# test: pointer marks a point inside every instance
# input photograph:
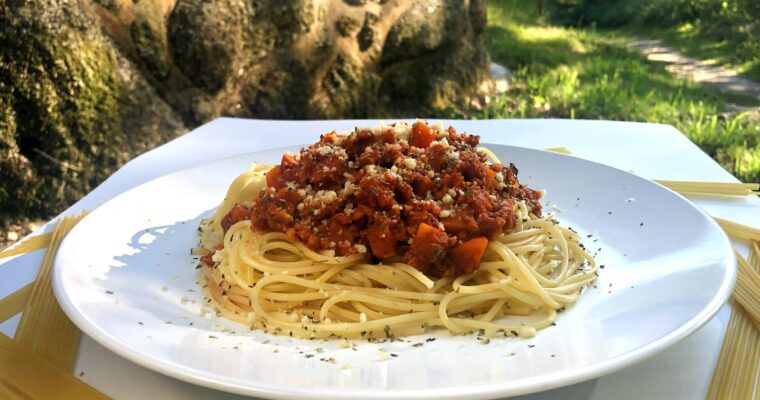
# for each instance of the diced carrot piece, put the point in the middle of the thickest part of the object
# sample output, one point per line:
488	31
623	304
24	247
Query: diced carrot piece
490	177
429	239
466	257
421	135
425	230
273	176
428	249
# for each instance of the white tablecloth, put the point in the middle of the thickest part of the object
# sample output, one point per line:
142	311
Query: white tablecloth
653	151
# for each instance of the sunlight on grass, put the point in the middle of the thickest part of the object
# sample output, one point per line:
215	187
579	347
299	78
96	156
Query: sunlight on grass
538	35
574	73
685	28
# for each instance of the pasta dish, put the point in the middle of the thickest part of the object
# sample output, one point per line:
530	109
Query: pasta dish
386	232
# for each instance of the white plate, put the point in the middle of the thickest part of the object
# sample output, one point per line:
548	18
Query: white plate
124	275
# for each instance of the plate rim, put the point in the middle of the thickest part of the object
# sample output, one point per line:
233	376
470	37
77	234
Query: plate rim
525	386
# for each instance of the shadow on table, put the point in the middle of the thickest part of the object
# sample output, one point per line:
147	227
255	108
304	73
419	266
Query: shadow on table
155	283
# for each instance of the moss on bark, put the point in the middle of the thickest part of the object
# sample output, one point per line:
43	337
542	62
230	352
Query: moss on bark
87	84
72	108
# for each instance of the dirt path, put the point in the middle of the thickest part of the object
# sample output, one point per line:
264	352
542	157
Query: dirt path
704	72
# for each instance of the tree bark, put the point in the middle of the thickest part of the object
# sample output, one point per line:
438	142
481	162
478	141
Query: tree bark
87	84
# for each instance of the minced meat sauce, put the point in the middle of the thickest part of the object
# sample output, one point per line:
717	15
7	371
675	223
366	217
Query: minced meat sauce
412	193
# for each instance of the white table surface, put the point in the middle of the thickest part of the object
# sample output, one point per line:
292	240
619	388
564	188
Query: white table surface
653	151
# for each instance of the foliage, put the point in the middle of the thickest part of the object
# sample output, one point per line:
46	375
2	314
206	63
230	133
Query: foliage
566	72
727	31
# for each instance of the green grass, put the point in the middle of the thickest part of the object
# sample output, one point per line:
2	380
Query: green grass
726	32
590	74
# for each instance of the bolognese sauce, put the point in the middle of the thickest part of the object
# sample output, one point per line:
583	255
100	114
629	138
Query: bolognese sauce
416	193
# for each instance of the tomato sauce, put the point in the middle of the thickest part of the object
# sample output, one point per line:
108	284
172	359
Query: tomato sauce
413	193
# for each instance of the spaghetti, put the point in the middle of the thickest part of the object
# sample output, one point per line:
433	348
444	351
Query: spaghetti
273	280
